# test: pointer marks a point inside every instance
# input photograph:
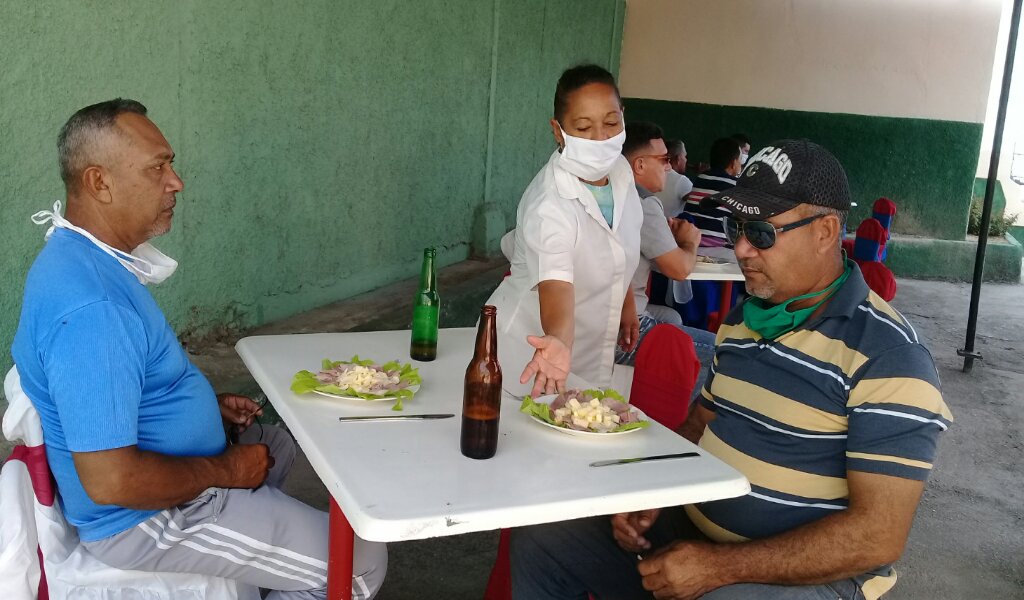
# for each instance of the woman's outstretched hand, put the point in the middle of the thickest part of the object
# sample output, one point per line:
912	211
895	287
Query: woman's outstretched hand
550	365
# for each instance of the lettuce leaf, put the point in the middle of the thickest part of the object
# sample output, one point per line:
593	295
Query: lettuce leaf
633	425
306	381
608	393
537	409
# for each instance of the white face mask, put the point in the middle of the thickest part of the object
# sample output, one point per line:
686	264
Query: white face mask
147	263
743	158
590	160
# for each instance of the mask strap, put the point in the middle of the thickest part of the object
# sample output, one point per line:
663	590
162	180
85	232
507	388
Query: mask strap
140	266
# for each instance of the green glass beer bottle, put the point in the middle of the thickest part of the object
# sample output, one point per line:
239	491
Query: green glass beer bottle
425	312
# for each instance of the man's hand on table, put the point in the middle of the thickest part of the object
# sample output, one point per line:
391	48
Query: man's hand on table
550	365
628	529
681	571
238	410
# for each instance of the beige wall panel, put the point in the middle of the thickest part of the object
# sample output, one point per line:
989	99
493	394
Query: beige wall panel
903	58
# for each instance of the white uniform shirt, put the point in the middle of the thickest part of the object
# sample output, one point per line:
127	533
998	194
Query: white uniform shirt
561	235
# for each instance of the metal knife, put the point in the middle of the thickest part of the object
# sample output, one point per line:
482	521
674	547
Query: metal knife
626	461
367	418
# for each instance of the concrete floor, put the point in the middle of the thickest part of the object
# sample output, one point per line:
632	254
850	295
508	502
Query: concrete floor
968	538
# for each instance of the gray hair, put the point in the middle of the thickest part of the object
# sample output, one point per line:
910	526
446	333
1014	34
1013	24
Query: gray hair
76	143
675	147
814	209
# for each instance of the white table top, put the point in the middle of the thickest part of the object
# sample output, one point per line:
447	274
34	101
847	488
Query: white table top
717	272
406	480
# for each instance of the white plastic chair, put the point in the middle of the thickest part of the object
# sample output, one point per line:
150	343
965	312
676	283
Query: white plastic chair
32	526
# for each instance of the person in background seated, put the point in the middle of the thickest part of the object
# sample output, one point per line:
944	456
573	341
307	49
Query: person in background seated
667	245
821	395
725	167
134	432
677	184
744	143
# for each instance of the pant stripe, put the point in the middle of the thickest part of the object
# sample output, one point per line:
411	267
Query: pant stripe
211	541
231	558
260	550
358	582
296	560
252	542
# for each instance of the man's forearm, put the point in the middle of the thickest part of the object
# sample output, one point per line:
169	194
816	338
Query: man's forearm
150	481
693	427
830	549
677	263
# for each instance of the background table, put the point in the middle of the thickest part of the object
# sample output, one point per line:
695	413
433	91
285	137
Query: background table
725	273
407	480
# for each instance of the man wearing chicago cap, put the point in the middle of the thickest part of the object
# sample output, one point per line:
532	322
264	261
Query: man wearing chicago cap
820	394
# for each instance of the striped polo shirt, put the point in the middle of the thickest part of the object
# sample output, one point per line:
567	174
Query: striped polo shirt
851	389
708	219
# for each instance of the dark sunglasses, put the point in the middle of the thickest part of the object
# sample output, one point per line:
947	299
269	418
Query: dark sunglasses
760	234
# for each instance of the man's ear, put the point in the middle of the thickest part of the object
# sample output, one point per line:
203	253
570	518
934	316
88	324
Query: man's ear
556	130
830	233
96	183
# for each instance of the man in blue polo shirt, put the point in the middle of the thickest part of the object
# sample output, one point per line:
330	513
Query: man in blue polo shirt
134	432
821	394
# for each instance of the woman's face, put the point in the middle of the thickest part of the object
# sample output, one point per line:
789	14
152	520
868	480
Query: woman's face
592	112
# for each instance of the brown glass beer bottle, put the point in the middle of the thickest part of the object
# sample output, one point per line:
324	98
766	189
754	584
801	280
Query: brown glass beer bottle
481	403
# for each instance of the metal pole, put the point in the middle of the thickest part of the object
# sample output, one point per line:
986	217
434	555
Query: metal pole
968	351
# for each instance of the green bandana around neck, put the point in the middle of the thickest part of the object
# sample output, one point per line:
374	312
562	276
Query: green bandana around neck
773	320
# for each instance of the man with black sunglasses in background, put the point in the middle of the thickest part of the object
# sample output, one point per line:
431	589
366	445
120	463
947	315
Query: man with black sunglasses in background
820	394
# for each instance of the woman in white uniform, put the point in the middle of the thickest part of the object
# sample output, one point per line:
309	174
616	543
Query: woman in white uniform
577	244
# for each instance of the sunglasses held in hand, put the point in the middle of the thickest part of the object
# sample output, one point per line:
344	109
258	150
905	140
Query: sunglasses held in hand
760	234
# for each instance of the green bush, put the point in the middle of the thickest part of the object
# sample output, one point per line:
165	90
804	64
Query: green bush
998	225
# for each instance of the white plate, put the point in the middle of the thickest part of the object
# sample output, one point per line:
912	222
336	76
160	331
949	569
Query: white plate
550	397
412	388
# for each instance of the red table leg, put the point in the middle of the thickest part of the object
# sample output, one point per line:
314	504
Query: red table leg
339	558
724	303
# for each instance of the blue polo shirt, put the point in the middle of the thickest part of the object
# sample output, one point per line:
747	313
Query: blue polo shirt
105	370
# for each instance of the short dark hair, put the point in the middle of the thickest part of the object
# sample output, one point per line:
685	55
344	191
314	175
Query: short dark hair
77	135
576	77
741	139
723	152
675	147
639	135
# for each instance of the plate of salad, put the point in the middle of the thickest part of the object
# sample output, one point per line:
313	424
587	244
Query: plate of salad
362	380
587	413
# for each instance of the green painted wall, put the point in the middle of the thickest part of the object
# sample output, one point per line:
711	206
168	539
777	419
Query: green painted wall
323	144
998	197
953	260
1017	233
926	166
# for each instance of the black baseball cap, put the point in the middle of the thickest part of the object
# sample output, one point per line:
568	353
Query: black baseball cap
782	175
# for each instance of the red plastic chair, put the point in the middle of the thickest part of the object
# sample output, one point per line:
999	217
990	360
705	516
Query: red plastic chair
666	371
879	278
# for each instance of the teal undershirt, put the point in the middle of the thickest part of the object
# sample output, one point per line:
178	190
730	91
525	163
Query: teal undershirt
605	200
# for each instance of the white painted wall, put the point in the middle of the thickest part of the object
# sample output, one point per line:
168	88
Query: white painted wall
1013	133
904	58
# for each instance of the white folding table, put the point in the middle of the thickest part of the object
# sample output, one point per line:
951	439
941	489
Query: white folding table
726	273
407	480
